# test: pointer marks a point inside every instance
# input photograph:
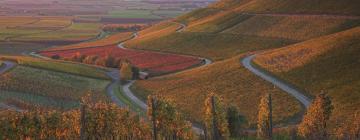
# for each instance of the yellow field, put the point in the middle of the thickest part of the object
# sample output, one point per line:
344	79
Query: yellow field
35	29
327	64
110	40
293	28
226	78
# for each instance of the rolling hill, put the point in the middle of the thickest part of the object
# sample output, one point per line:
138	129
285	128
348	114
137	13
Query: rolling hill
226	32
327	64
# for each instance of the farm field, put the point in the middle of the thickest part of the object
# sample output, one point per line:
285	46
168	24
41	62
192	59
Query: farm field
109	40
16	48
74	33
227	69
212	46
152	62
222	35
60	66
49	84
226	78
326	64
133	14
45	29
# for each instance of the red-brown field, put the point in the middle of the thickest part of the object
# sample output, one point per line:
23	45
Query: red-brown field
153	62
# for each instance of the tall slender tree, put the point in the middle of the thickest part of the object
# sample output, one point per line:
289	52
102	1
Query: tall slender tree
314	123
264	126
215	117
126	72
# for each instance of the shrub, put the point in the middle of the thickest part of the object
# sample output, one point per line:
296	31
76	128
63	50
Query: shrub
90	59
55	56
167	121
126	72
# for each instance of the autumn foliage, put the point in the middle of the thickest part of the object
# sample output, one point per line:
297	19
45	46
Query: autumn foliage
264	126
167	121
314	123
216	118
153	62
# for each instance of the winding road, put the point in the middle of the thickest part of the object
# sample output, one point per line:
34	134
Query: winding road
246	62
130	95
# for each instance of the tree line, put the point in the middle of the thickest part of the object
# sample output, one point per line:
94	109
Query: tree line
128	71
164	122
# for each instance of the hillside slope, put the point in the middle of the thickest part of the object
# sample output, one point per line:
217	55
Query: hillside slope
327	64
225	33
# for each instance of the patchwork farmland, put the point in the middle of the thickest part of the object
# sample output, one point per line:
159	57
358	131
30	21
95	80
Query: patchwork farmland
234	69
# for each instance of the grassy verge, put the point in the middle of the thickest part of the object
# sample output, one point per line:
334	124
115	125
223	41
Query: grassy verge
133	106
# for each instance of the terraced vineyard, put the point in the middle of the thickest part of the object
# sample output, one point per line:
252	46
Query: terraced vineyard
51	85
110	40
326	64
283	69
45	29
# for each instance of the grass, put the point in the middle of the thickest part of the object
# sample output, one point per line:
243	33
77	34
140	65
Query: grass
327	64
219	24
133	14
209	45
197	14
110	40
168	13
345	7
17	27
6	21
52	84
227	78
133	106
293	28
18	48
75	32
64	67
31	101
161	30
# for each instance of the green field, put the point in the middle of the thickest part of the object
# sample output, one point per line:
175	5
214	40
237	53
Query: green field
60	66
75	32
30	101
55	85
133	14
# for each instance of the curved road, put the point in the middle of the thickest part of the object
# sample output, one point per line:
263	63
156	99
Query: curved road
7	65
130	95
246	62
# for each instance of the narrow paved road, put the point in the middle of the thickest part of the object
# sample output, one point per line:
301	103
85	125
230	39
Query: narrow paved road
6	65
130	95
181	28
246	62
110	89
